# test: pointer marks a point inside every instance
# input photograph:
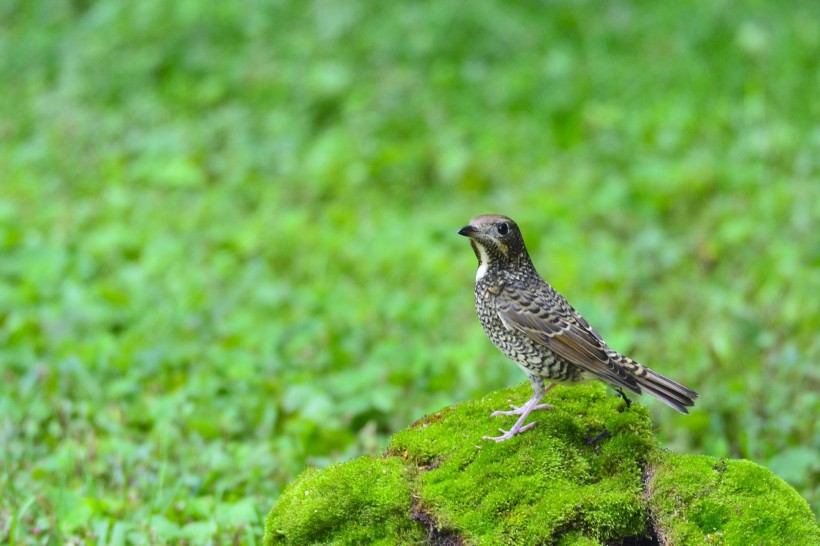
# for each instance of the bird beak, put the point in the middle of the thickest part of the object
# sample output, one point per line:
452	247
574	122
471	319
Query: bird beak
467	231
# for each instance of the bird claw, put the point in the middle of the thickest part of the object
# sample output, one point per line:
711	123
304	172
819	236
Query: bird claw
622	394
523	412
589	441
507	434
518	410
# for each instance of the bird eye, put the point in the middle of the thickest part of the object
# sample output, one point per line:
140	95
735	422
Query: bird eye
502	228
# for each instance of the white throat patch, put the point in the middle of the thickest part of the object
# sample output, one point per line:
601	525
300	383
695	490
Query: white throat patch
484	258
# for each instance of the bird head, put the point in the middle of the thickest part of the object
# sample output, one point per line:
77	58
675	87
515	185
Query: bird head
496	240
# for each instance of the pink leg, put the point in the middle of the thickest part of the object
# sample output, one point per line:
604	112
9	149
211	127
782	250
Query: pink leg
518	410
524	411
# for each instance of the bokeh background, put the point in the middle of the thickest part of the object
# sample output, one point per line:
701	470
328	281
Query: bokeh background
228	242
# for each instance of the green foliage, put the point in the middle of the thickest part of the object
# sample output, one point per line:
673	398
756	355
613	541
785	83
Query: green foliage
228	234
697	499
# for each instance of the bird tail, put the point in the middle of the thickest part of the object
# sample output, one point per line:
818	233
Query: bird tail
671	393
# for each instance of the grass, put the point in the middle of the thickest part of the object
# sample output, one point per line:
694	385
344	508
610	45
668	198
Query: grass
228	234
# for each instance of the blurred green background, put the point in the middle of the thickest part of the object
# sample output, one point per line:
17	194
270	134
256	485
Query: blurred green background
228	234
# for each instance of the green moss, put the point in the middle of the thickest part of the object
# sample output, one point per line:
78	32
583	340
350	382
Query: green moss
363	501
577	539
547	486
700	499
540	485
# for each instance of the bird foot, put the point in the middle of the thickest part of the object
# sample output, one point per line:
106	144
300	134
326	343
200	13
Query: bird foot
507	434
518	410
523	412
589	441
622	394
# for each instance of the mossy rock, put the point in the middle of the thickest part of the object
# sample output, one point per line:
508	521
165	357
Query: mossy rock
696	499
440	483
363	501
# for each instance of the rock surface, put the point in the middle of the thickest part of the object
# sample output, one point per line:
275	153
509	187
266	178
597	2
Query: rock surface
440	483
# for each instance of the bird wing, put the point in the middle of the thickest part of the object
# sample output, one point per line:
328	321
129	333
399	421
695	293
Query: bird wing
546	318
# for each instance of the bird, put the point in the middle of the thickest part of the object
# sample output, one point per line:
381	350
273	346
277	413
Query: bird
536	328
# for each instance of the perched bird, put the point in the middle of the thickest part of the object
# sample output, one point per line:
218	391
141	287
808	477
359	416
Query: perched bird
536	328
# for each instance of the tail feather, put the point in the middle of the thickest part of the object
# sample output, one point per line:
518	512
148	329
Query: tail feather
668	391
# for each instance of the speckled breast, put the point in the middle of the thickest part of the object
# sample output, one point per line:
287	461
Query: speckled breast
530	356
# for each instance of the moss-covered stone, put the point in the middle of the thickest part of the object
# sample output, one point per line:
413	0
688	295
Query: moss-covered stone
697	499
441	483
363	501
540	485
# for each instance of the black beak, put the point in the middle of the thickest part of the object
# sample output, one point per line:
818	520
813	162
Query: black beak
467	231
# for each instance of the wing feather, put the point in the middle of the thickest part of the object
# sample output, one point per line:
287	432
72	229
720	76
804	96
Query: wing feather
550	321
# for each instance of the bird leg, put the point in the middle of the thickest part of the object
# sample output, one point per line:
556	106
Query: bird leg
516	410
622	394
524	411
589	441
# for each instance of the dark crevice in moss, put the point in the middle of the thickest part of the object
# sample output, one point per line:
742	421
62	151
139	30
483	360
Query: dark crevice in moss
648	540
651	524
576	527
436	536
432	465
